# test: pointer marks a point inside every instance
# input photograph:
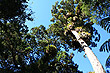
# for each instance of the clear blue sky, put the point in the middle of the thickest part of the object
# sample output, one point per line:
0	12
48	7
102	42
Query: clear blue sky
42	9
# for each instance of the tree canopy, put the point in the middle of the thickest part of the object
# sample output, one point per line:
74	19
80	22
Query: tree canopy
72	13
12	30
14	9
25	52
40	50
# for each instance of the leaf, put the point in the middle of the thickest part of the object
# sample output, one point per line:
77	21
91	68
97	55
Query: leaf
108	62
105	24
105	46
28	48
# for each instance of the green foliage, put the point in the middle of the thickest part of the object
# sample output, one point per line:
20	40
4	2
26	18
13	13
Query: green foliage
105	24
51	50
69	24
28	48
48	56
52	20
85	9
60	10
108	62
13	45
71	16
10	9
40	49
70	19
105	46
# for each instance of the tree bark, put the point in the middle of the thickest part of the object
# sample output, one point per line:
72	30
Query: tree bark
98	68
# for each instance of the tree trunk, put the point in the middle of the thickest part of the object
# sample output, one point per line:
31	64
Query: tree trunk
98	68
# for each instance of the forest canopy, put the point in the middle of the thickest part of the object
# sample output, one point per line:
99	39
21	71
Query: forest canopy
40	49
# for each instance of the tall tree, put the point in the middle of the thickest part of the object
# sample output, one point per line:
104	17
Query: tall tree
101	16
75	19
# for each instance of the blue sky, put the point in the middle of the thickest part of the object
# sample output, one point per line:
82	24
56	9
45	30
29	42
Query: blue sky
42	16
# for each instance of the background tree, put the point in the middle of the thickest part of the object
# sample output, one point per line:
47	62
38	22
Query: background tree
14	10
46	55
12	30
